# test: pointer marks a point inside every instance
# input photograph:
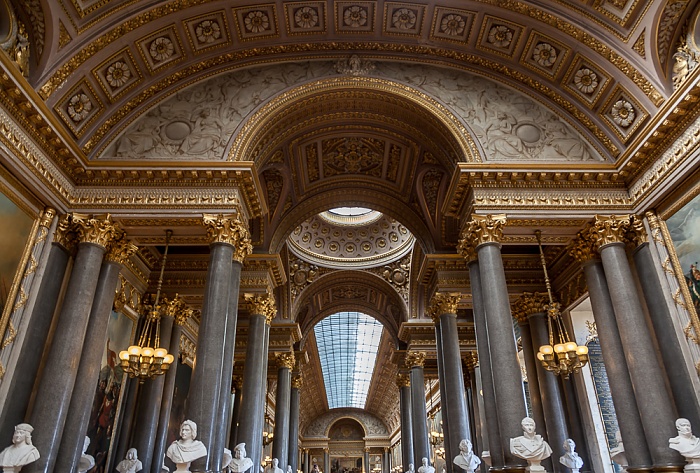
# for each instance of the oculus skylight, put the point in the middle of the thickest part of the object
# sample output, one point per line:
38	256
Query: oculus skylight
347	347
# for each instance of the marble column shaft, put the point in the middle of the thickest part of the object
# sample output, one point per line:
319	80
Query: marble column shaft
365	461
148	409
16	406
229	348
454	387
575	422
327	461
444	406
655	405
293	454
253	389
672	355
407	454
306	460
166	404
205	391
55	387
280	442
507	379
533	382
421	443
477	436
553	408
235	415
628	418
78	416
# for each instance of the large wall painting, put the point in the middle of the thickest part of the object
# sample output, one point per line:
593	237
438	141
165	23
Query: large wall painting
108	392
684	228
17	227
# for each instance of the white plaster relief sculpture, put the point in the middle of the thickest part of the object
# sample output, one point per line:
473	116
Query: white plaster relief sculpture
21	452
686	444
86	461
467	459
240	463
425	467
617	454
130	464
184	451
199	122
275	467
571	459
530	446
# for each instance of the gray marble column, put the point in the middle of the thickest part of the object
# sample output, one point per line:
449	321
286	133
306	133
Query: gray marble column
293	454
628	417
89	369
421	443
672	355
306	461
179	311
229	348
575	422
407	454
444	307
57	381
365	462
443	396
237	384
280	442
327	461
507	380
250	423
493	435
16	406
552	399
655	405
471	362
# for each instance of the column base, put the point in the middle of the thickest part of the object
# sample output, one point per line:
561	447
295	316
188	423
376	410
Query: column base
676	468
514	469
638	469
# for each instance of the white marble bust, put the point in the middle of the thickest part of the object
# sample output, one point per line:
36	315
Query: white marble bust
425	467
571	459
275	467
131	464
240	463
411	468
86	461
686	444
530	446
21	452
184	451
467	459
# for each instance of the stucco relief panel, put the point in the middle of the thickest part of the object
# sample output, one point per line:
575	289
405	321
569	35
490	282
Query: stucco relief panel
372	425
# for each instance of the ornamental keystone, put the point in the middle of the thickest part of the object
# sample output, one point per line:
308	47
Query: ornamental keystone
403	381
263	304
527	304
98	229
285	360
229	229
415	358
486	228
583	247
610	229
443	303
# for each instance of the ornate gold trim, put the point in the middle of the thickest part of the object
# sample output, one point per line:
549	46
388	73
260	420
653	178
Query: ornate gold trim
415	358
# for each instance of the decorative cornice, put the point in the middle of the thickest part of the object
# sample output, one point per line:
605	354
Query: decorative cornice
415	358
263	304
527	304
229	229
403	381
486	228
443	303
610	229
583	248
285	360
120	249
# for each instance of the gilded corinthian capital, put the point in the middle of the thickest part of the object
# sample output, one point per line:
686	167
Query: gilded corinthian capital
120	250
611	229
584	247
65	234
403	381
99	229
527	304
263	304
486	228
285	360
415	358
297	382
443	303
466	246
230	229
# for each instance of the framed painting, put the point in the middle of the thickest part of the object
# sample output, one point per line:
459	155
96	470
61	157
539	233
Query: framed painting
684	229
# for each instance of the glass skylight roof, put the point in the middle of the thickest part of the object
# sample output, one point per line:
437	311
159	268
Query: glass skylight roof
350	211
347	346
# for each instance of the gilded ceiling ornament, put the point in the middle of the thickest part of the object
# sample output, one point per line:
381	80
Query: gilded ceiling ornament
443	303
262	304
586	80
544	54
355	16
99	229
285	360
208	31
161	49
354	66
527	304
583	248
120	250
452	24
297	382
118	74
229	229
500	36
306	17
19	52
415	358
611	229
79	107
404	19
685	59
403	381
487	228
256	21
623	113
